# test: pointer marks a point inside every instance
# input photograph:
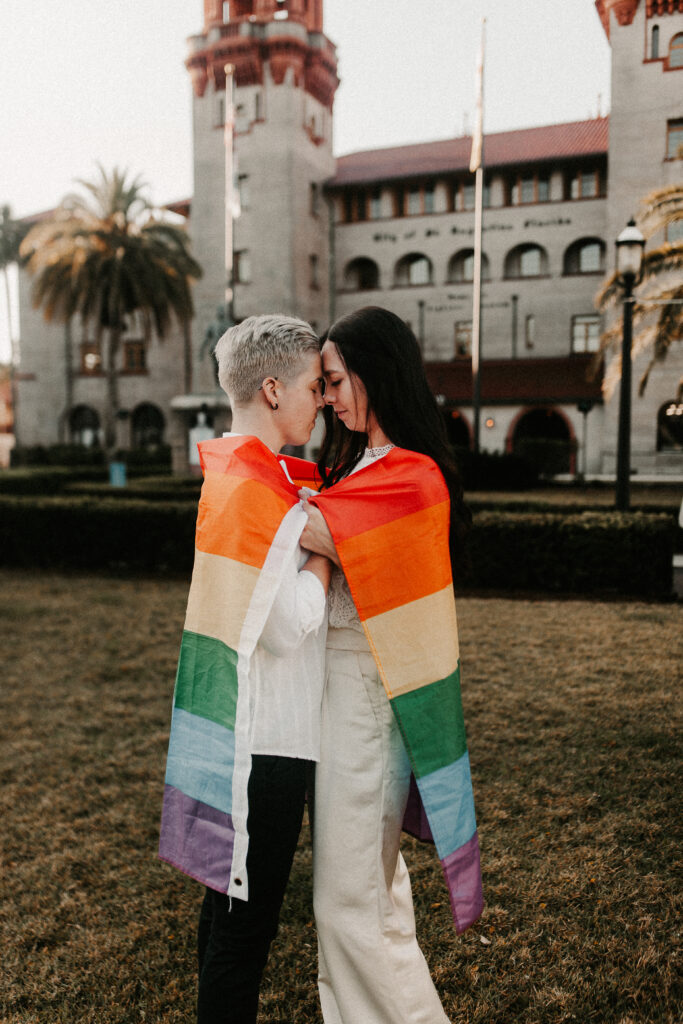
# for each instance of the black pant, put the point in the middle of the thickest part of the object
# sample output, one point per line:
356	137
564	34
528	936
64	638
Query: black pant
233	942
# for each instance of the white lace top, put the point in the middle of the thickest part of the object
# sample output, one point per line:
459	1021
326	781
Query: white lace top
342	610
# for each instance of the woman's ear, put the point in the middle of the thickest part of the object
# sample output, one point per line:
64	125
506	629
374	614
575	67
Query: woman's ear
269	389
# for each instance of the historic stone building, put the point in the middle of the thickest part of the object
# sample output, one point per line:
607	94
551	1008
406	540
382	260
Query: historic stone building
316	237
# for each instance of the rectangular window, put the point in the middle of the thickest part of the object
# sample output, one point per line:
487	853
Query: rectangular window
376	204
91	358
258	107
134	357
590	258
530	263
586	333
674	140
528	187
414	201
589	185
314	199
220	111
360	205
243	191
348	207
530	331
314	268
463	339
429	199
468	197
399	200
242	267
543	194
226	11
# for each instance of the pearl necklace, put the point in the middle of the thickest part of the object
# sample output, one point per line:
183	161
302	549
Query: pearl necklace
377	453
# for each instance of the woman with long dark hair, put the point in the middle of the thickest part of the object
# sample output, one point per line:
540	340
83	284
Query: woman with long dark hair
391	518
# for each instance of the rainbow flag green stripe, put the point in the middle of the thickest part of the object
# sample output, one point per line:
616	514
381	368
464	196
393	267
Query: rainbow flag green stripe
421	715
206	683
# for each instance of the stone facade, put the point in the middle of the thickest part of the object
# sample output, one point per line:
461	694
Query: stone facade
317	237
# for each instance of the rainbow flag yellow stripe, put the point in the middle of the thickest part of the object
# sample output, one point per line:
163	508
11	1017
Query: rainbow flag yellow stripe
390	522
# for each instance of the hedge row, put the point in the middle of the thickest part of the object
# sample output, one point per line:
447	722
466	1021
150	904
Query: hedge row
607	552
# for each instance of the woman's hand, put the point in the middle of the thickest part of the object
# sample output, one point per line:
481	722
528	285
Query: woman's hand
316	535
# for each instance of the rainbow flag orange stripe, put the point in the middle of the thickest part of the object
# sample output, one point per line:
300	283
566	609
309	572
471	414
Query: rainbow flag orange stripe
236	573
389	522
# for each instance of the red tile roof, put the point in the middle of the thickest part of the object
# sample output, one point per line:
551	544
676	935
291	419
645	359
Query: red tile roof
526	145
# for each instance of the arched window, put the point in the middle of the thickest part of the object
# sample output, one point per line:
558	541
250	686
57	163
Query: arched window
543	437
654	44
527	260
147	423
676	51
585	256
670	427
461	267
84	426
361	274
412	270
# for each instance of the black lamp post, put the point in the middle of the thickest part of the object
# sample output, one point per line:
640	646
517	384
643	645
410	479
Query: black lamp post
630	245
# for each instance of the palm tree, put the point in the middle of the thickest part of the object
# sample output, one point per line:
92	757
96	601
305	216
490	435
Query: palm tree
658	310
11	234
106	257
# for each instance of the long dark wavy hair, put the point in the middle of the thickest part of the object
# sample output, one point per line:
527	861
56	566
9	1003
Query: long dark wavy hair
379	348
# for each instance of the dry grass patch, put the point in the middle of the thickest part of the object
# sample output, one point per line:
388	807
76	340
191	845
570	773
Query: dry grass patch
572	720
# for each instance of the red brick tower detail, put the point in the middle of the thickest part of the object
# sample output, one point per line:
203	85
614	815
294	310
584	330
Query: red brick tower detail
313	62
624	11
213	13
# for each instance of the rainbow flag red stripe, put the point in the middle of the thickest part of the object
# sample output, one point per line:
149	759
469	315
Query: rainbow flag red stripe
390	524
239	557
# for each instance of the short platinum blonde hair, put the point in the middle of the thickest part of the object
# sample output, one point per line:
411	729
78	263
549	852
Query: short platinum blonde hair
260	347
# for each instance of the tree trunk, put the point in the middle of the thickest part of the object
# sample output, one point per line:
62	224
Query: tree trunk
112	408
14	359
68	380
187	356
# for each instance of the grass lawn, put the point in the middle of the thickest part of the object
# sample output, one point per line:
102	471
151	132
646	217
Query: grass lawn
572	713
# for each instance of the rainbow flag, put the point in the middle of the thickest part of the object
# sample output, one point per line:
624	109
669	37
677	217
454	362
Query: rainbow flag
248	526
390	524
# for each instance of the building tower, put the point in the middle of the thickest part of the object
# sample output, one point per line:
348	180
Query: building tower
284	83
645	152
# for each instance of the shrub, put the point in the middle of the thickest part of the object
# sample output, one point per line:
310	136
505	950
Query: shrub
56	455
82	533
46	480
627	554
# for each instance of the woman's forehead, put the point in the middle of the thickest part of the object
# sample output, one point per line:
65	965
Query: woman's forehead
331	359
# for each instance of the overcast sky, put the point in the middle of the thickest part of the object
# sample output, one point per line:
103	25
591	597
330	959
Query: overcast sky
83	81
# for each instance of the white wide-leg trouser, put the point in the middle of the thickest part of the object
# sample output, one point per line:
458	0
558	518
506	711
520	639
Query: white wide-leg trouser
371	969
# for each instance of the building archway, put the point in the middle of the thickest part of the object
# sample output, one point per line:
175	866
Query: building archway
84	426
147	426
458	429
670	427
361	274
413	270
546	438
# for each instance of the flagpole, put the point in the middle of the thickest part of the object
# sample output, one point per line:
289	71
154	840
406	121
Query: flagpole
477	167
229	131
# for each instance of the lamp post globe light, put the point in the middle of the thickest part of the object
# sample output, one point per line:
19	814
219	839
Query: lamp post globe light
630	245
